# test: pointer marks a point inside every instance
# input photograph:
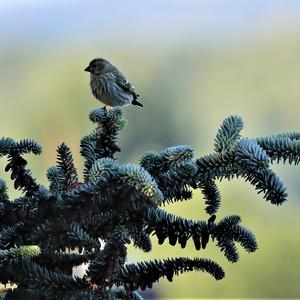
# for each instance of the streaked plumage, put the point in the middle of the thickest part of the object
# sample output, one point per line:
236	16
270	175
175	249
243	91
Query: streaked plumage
109	85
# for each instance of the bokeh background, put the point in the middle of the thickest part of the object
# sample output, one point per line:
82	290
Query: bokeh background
194	63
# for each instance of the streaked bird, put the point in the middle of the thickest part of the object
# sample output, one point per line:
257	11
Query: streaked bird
109	85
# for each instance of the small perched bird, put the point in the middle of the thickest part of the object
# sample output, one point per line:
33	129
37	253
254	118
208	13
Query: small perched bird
109	85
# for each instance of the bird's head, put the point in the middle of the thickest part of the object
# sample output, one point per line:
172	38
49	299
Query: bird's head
98	66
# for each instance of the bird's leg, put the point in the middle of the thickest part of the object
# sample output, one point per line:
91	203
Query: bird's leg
104	107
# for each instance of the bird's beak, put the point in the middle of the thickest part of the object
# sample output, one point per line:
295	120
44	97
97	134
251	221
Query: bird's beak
87	69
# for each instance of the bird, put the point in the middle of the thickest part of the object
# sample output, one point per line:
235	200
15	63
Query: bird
109	85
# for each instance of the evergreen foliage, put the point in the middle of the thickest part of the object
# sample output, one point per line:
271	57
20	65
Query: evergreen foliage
119	203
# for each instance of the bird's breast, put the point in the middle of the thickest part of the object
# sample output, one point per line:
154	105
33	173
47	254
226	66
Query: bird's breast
106	90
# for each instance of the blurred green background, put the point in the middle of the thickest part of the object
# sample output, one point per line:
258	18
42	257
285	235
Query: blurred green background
194	63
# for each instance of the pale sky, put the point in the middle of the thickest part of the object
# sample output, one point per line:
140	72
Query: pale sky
17	4
48	20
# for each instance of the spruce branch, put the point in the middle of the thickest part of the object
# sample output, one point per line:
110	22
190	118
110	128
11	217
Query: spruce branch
119	203
228	134
283	147
66	168
104	269
34	276
144	274
178	229
211	195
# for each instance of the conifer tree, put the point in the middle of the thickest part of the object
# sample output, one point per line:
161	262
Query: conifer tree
118	204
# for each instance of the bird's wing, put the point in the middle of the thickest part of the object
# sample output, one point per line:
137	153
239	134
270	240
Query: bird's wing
126	85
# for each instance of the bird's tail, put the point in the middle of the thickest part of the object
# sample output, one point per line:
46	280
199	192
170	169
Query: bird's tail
136	102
